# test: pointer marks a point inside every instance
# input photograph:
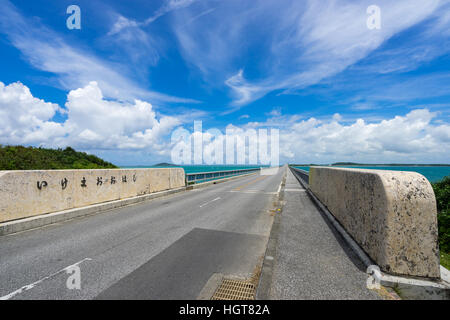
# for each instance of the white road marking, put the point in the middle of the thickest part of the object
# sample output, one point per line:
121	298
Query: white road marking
32	285
218	198
252	192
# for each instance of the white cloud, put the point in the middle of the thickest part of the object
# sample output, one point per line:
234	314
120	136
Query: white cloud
126	36
337	117
95	123
25	119
171	5
99	123
121	24
92	121
299	43
74	66
410	138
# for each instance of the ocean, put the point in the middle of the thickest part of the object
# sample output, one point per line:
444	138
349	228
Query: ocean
433	174
199	168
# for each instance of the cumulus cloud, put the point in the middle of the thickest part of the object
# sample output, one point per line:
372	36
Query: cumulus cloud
96	123
93	122
409	138
25	119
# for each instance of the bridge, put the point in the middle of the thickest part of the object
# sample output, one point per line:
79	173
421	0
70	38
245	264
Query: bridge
187	240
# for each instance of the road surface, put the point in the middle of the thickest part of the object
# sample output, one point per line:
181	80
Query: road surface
166	248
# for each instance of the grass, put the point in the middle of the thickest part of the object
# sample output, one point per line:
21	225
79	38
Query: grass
445	260
442	193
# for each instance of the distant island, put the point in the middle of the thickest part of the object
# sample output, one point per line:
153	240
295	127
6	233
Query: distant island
31	158
165	164
389	164
337	164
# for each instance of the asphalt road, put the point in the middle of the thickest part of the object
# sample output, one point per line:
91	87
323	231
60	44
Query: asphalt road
166	248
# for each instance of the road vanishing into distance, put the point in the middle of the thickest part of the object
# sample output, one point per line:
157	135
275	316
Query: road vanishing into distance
166	248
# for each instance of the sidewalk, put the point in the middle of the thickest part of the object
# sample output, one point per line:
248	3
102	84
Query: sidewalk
312	261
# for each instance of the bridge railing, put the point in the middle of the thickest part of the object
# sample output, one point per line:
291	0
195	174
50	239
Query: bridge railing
197	177
302	174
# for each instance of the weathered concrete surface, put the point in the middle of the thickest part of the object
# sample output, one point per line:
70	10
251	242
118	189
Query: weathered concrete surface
29	193
391	214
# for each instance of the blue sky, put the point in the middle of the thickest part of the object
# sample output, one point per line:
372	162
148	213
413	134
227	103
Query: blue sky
137	70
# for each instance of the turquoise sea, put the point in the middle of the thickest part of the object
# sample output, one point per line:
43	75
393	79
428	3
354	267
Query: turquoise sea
194	169
202	168
433	174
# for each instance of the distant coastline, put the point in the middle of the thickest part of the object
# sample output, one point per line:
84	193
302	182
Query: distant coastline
433	172
337	164
391	164
165	164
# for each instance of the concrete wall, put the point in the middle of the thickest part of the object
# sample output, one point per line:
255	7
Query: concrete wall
29	193
391	214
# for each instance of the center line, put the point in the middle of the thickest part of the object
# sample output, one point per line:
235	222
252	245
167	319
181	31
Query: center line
218	198
249	183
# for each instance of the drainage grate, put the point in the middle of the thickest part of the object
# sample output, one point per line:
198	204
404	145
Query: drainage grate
235	290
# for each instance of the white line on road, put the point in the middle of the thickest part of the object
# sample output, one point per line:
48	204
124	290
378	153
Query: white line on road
279	188
218	198
32	285
252	192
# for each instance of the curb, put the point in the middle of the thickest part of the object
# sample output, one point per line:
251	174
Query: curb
265	280
15	226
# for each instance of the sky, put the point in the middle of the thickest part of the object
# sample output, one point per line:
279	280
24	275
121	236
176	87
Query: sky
136	71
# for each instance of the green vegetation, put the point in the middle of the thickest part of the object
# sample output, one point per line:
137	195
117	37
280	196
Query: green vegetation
165	164
345	164
442	192
445	260
30	158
